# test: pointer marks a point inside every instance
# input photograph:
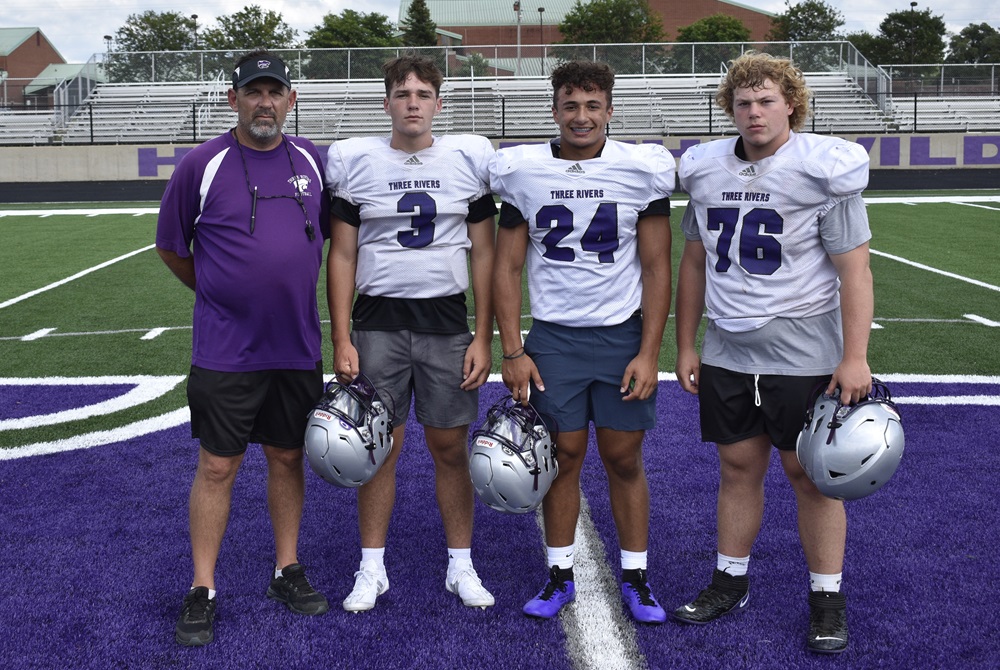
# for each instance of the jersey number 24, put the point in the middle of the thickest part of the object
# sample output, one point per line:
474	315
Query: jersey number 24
601	236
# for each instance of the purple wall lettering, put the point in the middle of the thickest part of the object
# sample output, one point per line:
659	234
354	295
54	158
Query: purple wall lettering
975	149
150	161
920	153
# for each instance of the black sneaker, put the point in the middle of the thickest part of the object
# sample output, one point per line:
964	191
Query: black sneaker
293	589
725	594
827	622
194	627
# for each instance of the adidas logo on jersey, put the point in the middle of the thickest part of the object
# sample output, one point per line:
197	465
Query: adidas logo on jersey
413	160
749	171
575	168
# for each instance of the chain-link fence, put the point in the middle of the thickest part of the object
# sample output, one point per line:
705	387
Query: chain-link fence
498	91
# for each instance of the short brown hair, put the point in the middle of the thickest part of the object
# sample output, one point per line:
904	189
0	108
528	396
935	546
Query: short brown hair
751	69
587	75
398	69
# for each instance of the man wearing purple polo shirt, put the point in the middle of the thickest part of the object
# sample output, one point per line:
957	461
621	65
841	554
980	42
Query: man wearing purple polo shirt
243	222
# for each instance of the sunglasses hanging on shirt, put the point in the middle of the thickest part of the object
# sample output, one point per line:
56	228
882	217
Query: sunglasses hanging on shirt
252	190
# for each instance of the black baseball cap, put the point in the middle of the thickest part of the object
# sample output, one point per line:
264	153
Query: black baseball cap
262	66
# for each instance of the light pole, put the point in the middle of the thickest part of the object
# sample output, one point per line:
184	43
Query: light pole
194	17
541	37
913	31
517	15
107	55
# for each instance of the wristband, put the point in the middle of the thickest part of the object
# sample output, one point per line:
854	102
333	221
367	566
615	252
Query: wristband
517	354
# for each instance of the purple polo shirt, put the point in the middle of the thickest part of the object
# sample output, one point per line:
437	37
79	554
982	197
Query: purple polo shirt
255	292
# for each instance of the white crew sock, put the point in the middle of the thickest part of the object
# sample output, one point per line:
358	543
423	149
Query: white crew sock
732	565
560	556
818	582
633	560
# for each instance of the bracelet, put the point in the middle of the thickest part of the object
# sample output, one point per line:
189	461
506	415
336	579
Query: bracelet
517	354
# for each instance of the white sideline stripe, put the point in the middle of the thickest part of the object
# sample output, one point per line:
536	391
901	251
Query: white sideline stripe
154	333
89	213
598	636
969	204
147	387
178	417
37	335
921	266
983	320
980	400
82	273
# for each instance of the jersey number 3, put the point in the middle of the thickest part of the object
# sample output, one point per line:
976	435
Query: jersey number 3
760	251
601	236
422	222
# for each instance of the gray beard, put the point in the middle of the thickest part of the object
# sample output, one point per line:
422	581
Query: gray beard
262	132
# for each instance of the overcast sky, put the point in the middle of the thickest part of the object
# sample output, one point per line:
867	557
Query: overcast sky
76	27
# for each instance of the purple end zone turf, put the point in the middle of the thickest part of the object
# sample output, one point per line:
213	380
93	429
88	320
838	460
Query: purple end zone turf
96	559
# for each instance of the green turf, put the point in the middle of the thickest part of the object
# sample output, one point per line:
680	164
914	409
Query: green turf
100	318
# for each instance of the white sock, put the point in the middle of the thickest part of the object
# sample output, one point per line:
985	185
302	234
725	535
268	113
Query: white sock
818	582
277	572
211	593
735	566
633	560
560	556
459	558
374	554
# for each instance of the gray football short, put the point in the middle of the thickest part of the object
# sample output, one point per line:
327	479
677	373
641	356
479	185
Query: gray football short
426	368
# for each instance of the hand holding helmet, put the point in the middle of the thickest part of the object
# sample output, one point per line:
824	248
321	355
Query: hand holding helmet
513	459
851	451
349	433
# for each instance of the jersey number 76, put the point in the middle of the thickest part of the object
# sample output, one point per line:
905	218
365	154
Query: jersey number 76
760	251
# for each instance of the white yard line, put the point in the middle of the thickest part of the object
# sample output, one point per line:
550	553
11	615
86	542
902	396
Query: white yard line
928	268
82	273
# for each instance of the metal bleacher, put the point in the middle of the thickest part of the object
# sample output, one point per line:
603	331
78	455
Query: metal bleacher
327	110
946	113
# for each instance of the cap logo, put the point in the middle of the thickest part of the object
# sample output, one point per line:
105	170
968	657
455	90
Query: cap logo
263	64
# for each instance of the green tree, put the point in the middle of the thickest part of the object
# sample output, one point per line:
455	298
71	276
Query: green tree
806	21
912	37
709	58
976	43
611	22
418	29
873	47
153	32
249	28
475	64
715	28
360	32
617	24
809	21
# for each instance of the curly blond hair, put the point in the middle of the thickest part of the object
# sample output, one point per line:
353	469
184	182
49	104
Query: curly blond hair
751	69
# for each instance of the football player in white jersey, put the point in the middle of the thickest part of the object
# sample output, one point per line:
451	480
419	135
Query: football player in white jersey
777	250
410	211
590	218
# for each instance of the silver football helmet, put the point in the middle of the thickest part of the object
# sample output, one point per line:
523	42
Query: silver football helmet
513	459
851	451
349	433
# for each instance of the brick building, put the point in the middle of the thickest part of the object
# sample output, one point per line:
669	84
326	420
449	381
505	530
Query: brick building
489	22
24	54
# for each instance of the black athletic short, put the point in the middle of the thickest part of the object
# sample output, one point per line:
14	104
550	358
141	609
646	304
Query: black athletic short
231	409
735	406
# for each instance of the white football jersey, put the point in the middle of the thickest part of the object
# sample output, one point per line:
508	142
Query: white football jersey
762	224
413	240
583	263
